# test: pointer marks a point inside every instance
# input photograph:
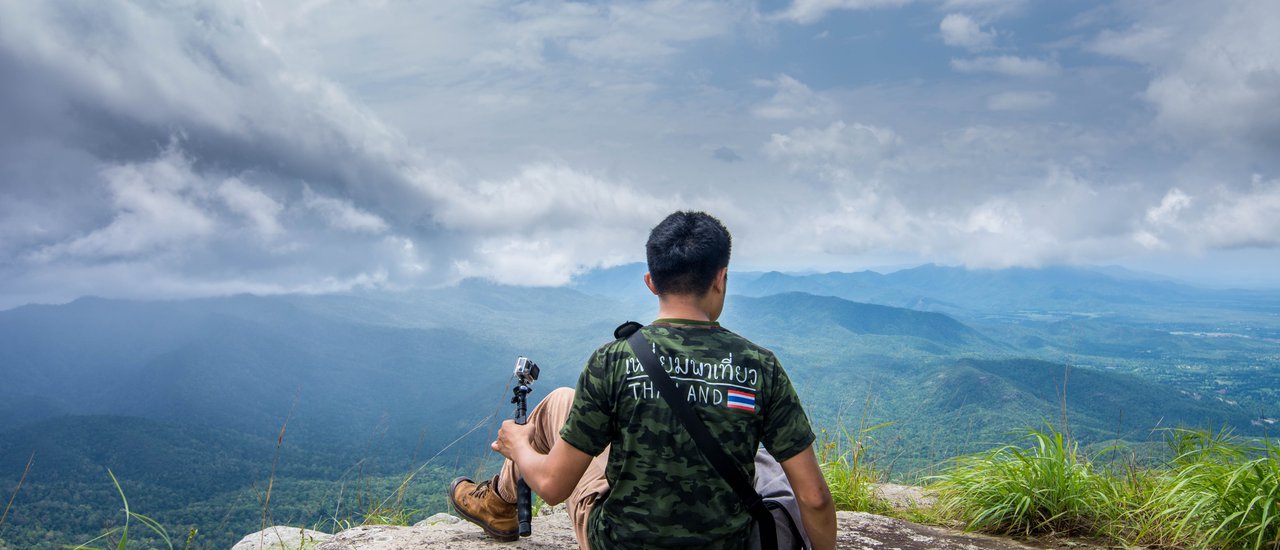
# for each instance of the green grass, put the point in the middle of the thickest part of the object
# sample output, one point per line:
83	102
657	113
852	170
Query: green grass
1215	492
1046	487
849	474
1220	493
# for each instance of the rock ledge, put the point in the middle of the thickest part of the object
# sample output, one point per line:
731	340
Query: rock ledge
553	530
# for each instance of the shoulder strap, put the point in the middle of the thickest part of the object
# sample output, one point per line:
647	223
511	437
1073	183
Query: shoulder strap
720	461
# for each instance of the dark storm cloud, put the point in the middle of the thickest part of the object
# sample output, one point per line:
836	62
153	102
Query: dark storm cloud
172	142
171	149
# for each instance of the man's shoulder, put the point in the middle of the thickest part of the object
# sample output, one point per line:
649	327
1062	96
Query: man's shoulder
606	358
746	342
689	338
612	347
707	338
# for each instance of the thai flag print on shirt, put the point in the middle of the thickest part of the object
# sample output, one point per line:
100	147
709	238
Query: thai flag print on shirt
742	400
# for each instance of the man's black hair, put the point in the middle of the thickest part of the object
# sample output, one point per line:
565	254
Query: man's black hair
685	251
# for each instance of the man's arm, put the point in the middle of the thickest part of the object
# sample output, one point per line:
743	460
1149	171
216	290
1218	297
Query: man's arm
817	509
553	475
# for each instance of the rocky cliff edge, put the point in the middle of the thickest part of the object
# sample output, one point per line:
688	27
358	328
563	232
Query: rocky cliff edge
553	530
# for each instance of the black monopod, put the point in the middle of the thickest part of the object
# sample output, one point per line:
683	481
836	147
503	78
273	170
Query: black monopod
526	372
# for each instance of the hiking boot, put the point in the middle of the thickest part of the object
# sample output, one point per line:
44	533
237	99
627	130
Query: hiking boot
480	504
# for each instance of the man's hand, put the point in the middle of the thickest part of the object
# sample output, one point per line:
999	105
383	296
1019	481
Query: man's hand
553	475
512	436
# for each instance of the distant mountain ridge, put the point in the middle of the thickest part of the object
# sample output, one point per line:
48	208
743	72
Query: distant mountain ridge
966	292
799	309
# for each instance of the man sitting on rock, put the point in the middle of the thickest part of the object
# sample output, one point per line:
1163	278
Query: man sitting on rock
648	485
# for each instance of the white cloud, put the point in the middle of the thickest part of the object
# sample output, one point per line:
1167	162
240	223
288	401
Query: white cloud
1216	69
259	208
997	215
1139	43
856	223
1215	218
1056	218
1245	219
1021	101
1162	218
544	192
838	152
791	100
1053	217
983	196
341	214
1010	65
1166	213
534	224
155	210
811	11
962	31
996	235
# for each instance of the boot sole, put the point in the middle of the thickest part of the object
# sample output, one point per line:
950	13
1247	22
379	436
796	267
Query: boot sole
501	536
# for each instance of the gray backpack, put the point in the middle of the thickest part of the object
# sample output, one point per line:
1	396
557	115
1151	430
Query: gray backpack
780	500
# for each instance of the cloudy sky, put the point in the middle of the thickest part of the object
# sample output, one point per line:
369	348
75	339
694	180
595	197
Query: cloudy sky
189	148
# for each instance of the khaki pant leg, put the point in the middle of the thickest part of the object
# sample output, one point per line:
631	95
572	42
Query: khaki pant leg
591	488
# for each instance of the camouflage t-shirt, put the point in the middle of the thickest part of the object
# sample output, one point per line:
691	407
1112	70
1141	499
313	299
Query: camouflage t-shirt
663	493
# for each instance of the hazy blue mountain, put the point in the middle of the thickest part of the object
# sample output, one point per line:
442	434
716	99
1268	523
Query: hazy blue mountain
1015	291
1010	293
800	311
1060	288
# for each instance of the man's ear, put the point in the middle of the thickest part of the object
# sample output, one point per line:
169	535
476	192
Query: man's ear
720	284
648	281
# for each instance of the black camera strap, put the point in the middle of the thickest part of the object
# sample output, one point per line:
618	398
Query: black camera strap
728	469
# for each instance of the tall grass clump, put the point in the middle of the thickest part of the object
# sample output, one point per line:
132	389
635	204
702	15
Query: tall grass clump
849	474
1219	493
1046	487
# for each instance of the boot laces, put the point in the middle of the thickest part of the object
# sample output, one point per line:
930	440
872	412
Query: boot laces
481	489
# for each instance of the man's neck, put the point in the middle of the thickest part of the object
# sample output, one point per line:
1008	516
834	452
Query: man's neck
682	307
